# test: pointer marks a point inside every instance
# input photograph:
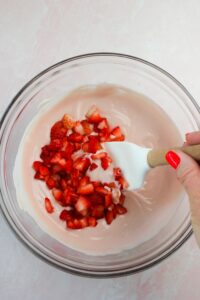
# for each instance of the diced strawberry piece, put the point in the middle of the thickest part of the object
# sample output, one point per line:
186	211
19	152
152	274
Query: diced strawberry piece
121	209
36	165
56	145
123	182
85	147
84	222
111	185
97	211
121	199
96	183
92	222
87	127
81	164
99	155
58	195
57	159
63	183
38	176
44	171
67	122
86	189
108	200
66	215
70	224
93	115
67	152
68	166
105	162
75	138
116	132
56	169
104	135
58	131
102	190
93	166
49	207
103	124
96	198
75	177
51	183
78	128
84	181
117	172
67	196
82	205
93	144
109	216
77	146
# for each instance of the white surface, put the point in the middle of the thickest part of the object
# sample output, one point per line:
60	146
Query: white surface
36	34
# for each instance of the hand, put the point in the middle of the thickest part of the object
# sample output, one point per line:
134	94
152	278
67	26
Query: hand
188	173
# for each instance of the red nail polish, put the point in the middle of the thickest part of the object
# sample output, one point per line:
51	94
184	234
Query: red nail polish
173	159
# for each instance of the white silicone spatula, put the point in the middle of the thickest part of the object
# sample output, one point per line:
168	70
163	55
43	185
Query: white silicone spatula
135	161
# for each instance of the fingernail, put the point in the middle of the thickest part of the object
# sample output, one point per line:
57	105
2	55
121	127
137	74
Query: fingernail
173	159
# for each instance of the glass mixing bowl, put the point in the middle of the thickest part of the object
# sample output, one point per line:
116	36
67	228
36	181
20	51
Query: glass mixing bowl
56	81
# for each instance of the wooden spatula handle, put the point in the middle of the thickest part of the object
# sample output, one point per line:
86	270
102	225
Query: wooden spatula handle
157	157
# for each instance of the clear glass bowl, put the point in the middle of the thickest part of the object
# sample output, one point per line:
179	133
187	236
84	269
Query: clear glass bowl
56	81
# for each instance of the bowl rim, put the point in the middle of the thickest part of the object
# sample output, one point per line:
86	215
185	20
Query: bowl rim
33	248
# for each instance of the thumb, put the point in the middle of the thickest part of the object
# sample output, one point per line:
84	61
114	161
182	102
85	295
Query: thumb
188	173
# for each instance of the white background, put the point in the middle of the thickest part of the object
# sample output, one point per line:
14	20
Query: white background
37	33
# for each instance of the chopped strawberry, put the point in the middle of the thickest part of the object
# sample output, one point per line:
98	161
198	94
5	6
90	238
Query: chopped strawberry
68	166
109	216
51	183
78	128
123	182
121	199
81	164
36	165
93	115
102	190
97	211
63	183
56	145
75	177
116	132
82	205
58	195
117	172
85	147
108	200
105	162
70	224
69	149
44	171
93	166
67	122
84	222
49	207
38	176
93	144
67	196
57	159
77	146
92	222
58	131
55	169
103	124
121	209
96	198
75	138
66	215
99	155
86	189
87	127
84	181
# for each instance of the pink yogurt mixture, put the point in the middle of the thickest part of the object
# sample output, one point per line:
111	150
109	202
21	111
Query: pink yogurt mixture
149	209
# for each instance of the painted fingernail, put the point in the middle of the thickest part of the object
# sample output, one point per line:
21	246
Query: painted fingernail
173	159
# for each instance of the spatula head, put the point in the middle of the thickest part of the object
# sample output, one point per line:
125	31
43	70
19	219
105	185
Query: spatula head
132	159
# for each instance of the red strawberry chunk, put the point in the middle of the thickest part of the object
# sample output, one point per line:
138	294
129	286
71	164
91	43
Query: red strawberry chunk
108	200
84	181
87	127
104	135
82	205
58	195
109	216
49	207
121	209
93	166
67	122
102	190
66	215
93	115
97	211
36	165
58	131
92	222
117	172
103	124
68	166
93	144
78	128
123	182
86	189
81	164
99	155
51	183
105	162
57	159
44	171
75	138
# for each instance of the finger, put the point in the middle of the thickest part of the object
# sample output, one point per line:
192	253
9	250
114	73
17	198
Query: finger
188	173
193	138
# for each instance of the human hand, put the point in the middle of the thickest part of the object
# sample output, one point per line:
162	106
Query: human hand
188	173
